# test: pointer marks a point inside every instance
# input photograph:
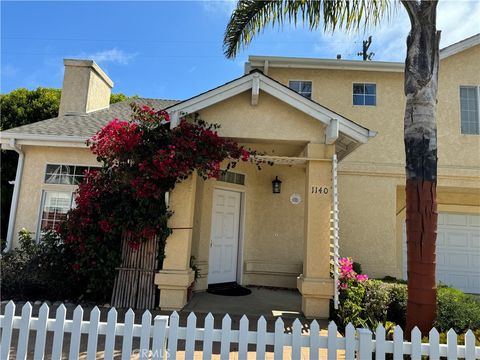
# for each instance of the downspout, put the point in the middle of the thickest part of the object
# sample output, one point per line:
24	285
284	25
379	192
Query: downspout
16	192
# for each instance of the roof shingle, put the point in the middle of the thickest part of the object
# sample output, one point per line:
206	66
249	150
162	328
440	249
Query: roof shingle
85	126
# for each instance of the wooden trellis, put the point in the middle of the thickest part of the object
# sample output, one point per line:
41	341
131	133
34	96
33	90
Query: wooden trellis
134	287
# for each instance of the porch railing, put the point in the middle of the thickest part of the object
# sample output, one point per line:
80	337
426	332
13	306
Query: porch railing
160	340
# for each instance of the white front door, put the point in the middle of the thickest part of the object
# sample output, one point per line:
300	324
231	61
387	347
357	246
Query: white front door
222	261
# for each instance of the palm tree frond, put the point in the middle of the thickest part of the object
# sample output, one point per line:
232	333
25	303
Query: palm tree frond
250	17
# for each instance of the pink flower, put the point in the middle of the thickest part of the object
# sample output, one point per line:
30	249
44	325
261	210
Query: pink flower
362	277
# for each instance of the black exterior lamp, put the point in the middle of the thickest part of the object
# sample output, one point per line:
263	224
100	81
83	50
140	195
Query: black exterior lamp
276	185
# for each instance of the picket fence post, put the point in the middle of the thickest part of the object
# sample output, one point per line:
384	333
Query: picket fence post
160	339
364	344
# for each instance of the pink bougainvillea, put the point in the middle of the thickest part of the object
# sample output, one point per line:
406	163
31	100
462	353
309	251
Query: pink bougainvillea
347	276
142	159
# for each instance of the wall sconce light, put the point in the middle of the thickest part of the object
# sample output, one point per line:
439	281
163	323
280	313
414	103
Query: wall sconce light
276	185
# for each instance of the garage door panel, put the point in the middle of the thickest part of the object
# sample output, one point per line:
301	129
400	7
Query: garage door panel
456	239
440	239
457	280
458	261
474	282
458	251
456	219
474	220
475	241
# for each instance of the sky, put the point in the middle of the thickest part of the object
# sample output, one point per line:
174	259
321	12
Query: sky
173	49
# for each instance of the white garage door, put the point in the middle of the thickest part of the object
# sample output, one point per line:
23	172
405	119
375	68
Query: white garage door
458	251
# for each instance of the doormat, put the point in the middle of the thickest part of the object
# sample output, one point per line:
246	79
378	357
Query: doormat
229	290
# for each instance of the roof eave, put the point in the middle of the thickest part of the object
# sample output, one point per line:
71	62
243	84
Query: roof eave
42	140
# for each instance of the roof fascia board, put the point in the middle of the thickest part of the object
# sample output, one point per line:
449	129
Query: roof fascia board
213	96
44	140
315	110
460	46
299	103
306	63
281	92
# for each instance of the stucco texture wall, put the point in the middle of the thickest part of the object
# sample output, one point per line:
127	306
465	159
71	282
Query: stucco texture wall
271	119
271	242
36	160
370	177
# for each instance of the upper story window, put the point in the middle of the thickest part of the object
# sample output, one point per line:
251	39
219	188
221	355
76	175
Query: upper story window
65	174
304	88
470	121
365	94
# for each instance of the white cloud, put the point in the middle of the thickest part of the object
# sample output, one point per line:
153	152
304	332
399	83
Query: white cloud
223	7
114	56
456	19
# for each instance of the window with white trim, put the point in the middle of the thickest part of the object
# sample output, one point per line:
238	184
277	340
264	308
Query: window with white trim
55	205
65	174
365	94
469	116
304	88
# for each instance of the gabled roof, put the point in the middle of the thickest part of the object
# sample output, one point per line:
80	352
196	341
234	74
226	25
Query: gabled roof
74	130
77	128
344	132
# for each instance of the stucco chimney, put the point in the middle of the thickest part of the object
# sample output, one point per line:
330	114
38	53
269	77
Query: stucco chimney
86	87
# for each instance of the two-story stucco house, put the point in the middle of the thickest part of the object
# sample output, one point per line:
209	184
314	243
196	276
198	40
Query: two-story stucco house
305	115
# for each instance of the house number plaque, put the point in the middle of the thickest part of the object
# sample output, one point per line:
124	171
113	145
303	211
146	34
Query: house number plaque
321	190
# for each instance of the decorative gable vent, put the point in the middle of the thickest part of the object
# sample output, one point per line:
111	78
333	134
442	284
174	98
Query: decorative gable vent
232	177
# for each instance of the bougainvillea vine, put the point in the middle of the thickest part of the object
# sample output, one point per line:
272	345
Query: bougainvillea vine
141	159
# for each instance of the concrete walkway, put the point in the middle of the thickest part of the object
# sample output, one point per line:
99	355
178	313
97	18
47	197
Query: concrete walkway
261	302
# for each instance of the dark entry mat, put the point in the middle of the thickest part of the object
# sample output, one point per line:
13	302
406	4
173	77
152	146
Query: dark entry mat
231	289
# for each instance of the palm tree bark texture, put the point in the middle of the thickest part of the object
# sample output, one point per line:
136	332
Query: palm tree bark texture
420	136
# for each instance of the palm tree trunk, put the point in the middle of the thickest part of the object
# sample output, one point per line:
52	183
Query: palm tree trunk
420	136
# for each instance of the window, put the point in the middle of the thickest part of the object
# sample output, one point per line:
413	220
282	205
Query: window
232	177
365	94
65	174
55	205
304	88
470	122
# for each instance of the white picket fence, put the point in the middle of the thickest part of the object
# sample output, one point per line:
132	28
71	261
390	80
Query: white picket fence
160	340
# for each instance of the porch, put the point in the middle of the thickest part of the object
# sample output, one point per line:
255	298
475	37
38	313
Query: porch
266	302
239	230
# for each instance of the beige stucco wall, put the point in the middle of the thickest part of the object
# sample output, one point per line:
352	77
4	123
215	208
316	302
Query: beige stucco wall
370	176
32	185
271	244
370	179
271	119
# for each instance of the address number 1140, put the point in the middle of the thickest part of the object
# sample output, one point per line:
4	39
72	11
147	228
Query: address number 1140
319	190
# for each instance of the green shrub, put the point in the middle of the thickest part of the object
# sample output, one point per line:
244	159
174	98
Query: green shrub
350	307
357	267
37	271
397	306
375	303
456	310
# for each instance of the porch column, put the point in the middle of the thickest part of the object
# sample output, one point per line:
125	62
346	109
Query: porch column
176	275
315	283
